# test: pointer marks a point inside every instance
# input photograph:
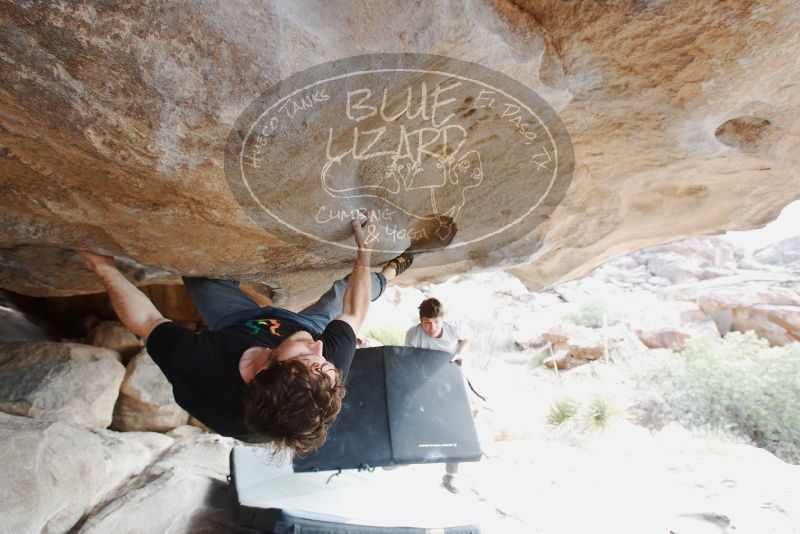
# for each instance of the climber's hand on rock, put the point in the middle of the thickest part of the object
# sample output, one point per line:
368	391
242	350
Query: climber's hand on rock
359	233
360	229
94	260
133	308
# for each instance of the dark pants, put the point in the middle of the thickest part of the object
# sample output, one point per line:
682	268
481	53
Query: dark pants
221	303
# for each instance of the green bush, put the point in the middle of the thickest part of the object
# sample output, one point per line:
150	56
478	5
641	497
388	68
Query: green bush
590	314
584	413
738	384
599	411
387	335
562	410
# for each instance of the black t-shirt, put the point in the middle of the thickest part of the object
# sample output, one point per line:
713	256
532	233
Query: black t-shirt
204	368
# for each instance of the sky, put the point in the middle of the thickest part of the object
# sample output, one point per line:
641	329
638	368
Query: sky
785	226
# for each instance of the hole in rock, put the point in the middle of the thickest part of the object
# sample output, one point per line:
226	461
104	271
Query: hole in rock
747	133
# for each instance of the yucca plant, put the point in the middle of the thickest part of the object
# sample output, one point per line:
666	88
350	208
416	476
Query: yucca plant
562	410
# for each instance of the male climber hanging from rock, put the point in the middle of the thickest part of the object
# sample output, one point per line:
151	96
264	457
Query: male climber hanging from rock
260	374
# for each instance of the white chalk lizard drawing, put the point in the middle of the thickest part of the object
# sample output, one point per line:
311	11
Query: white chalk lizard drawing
402	183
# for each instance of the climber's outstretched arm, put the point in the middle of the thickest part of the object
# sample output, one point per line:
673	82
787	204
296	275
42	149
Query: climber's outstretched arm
133	308
359	288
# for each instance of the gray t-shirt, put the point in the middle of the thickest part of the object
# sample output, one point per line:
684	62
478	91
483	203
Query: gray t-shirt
452	333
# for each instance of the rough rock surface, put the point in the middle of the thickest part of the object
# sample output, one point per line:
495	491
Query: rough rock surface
184	431
197	423
60	382
730	287
658	98
766	302
780	325
115	336
694	95
690	260
145	399
53	472
672	329
17	326
574	345
682	262
785	253
185	491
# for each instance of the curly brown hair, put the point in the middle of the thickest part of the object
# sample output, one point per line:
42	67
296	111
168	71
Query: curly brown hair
292	406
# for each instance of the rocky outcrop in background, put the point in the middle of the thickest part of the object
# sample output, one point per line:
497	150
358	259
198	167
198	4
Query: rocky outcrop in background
783	254
733	289
658	297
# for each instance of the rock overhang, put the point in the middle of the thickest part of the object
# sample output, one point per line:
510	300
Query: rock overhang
115	121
